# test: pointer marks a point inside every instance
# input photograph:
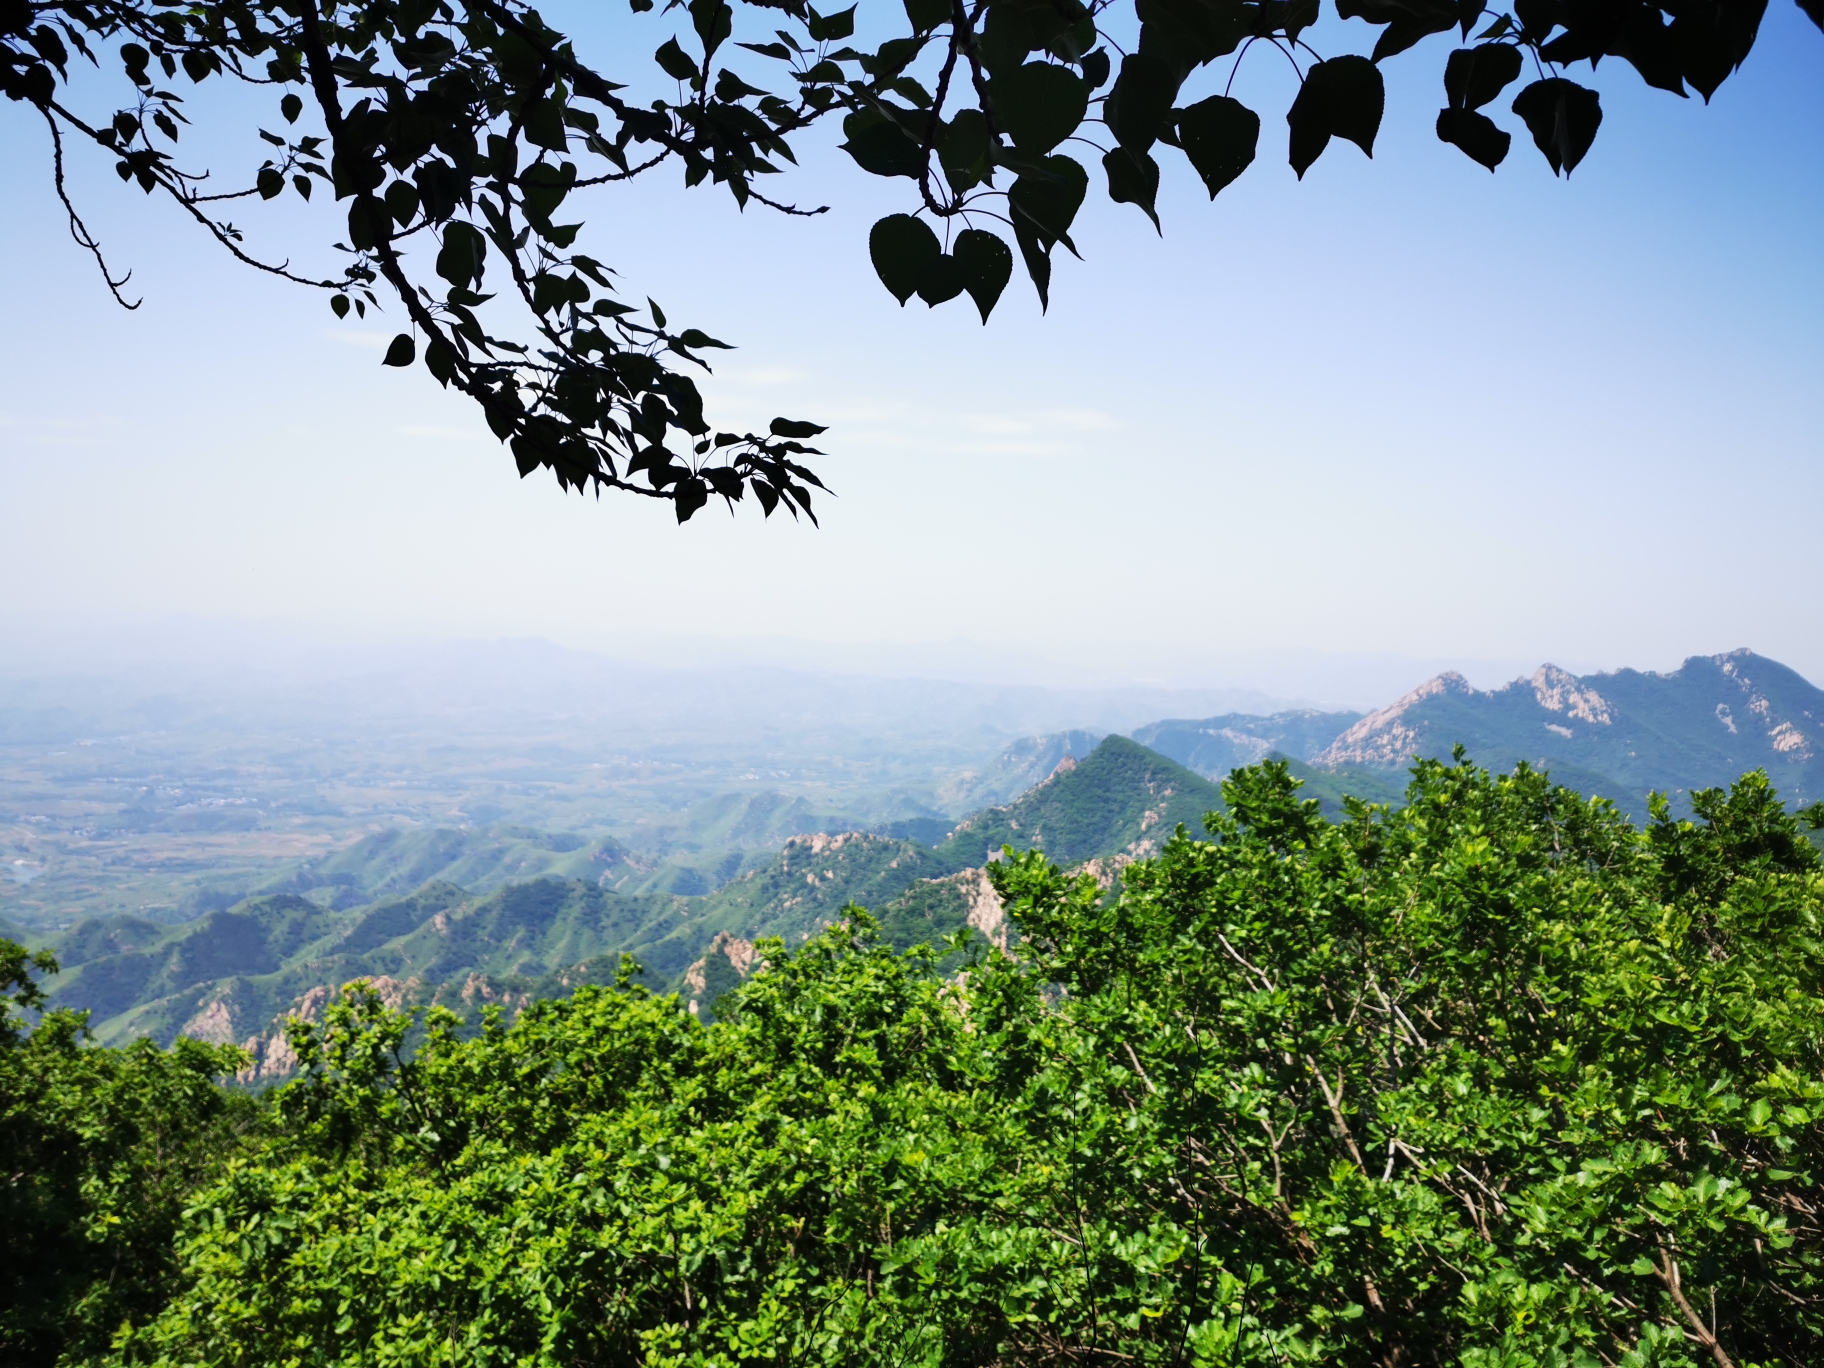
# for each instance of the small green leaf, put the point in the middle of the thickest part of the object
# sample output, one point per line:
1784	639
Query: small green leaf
401	352
291	106
270	182
338	305
903	249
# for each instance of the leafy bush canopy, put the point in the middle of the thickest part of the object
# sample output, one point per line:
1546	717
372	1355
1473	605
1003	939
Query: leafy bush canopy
463	133
1489	1079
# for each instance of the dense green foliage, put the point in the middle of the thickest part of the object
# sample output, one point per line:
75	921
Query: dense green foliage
101	1152
460	133
1493	1078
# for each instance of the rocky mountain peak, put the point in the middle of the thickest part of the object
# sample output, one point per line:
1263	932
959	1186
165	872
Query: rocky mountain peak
1560	691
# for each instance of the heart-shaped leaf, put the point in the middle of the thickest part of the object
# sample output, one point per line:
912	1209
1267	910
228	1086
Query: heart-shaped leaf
1563	118
1133	178
986	264
903	249
1039	105
1220	136
1141	101
943	281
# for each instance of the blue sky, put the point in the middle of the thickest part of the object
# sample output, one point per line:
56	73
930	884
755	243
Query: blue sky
1402	409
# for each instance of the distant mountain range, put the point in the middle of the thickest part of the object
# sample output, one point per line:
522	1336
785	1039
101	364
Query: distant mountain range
1619	735
468	917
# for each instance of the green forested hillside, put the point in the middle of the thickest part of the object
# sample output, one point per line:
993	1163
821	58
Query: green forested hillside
1213	746
233	976
1115	799
401	860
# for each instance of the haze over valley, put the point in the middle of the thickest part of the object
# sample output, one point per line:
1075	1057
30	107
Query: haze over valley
494	824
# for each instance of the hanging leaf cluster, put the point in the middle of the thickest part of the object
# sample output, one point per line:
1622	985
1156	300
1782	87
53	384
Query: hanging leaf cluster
458	141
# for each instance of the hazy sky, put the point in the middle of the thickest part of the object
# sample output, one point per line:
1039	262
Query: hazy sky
1405	408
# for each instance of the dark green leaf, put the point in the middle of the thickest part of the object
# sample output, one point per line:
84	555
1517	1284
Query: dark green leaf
1474	76
1039	105
964	153
673	60
401	201
1342	98
903	249
401	351
291	106
543	121
883	149
1133	178
464	251
1045	202
827	27
1562	117
690	495
713	21
1095	68
364	234
1406	31
926	15
1037	256
1476	134
986	264
440	359
792	427
269	182
338	304
943	280
1141	101
1220	137
1185	34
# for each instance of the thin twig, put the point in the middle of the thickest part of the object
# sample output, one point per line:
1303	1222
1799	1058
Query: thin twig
78	229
